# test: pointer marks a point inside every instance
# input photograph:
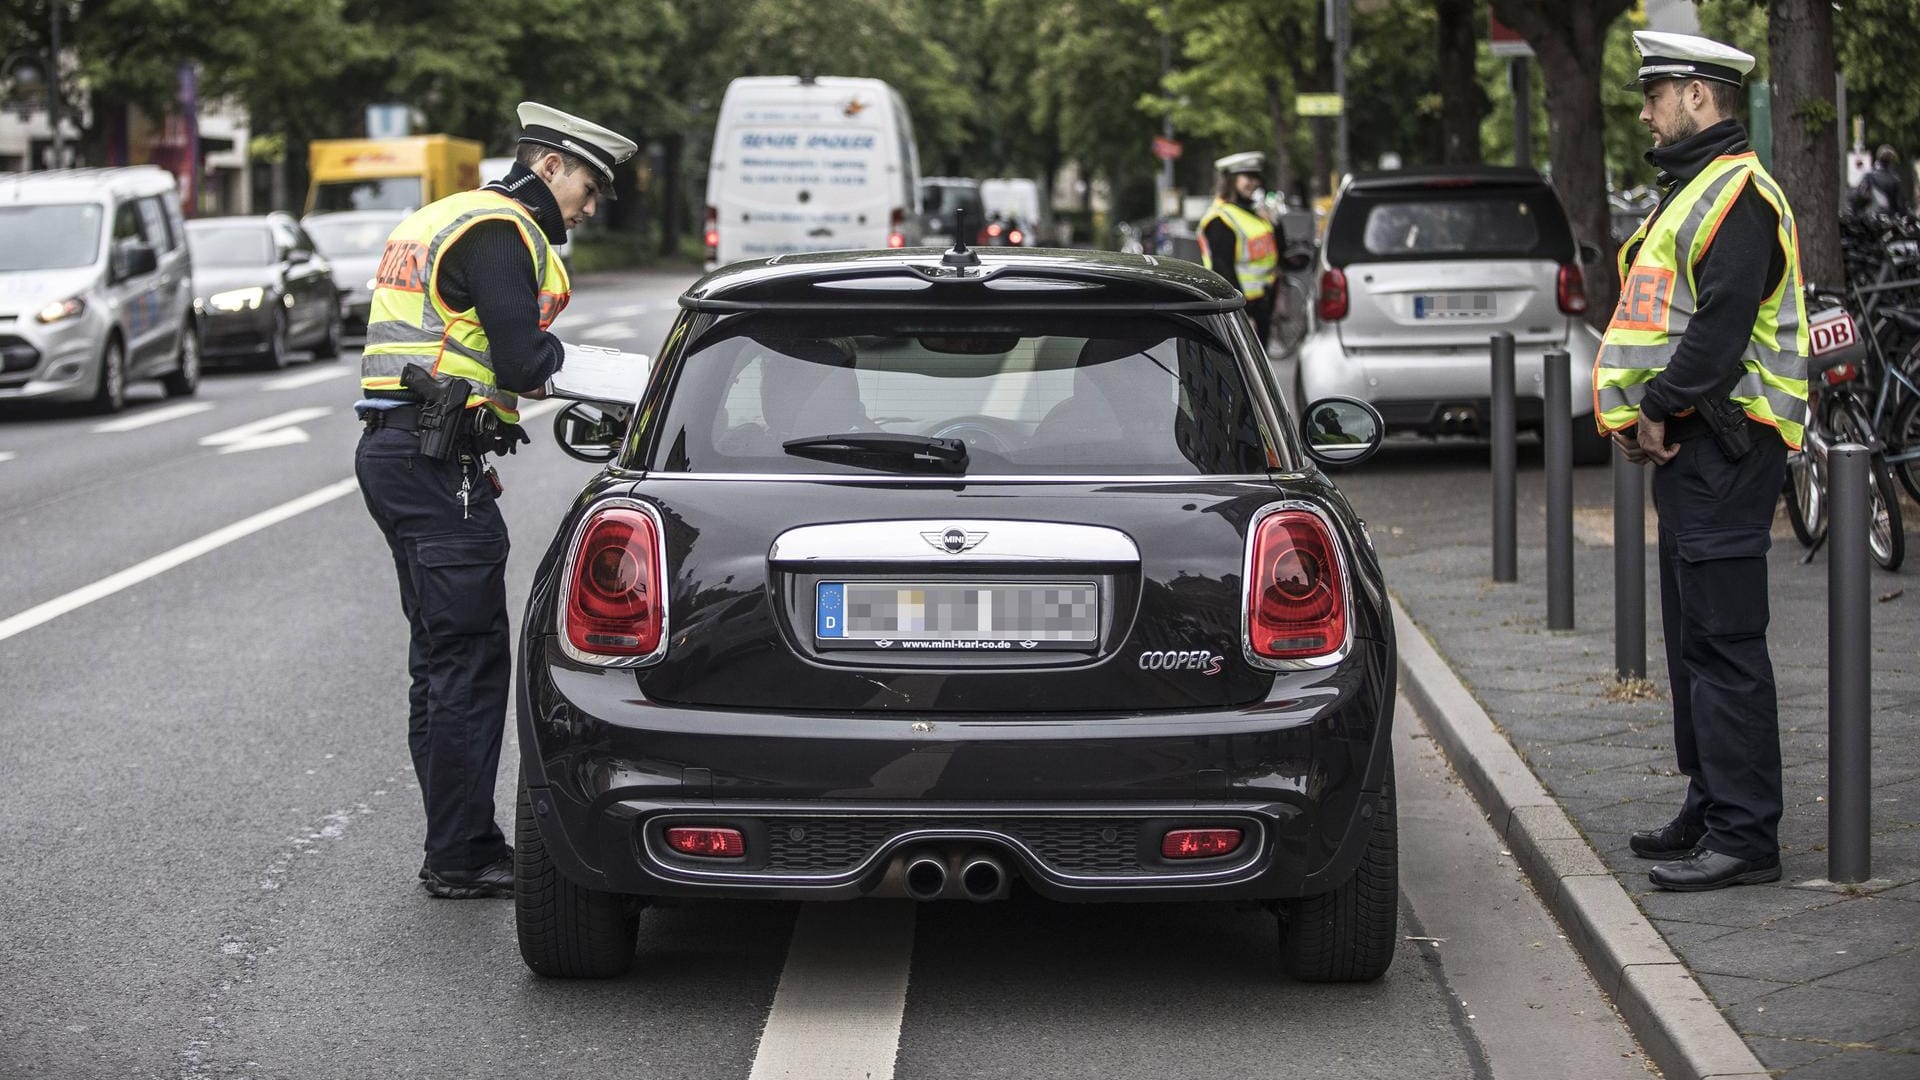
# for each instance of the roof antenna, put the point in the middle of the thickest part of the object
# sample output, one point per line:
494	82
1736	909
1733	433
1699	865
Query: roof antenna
959	256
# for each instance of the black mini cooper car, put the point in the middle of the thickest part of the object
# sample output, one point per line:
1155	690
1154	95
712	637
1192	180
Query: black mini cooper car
931	575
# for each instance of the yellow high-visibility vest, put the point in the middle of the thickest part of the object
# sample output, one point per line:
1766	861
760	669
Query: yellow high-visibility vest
409	321
1658	296
1256	255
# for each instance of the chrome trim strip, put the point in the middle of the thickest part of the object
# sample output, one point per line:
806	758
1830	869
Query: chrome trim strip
662	598
659	867
963	481
999	541
1331	659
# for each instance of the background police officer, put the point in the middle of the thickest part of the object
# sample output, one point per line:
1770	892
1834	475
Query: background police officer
467	288
1239	244
1703	372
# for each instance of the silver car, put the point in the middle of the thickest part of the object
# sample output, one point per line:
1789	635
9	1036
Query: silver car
1419	269
96	286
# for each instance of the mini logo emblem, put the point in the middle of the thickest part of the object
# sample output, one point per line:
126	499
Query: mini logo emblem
953	540
885	642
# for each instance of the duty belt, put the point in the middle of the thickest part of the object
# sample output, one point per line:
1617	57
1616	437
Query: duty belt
407	418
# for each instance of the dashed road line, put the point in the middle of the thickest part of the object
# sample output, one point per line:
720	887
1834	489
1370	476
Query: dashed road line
604	331
542	407
152	417
842	994
306	378
627	311
7	455
161	563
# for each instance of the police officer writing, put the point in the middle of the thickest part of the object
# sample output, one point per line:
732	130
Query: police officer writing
465	292
1703	372
1236	242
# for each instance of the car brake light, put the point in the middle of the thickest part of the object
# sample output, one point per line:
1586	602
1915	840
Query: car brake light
1296	600
993	229
1199	843
613	601
896	229
1572	290
1016	238
1840	373
1333	295
707	842
713	230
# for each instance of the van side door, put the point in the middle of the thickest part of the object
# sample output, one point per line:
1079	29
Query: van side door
135	286
173	290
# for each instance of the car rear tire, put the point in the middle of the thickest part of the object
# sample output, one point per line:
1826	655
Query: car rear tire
279	347
329	346
566	931
110	393
184	379
1348	935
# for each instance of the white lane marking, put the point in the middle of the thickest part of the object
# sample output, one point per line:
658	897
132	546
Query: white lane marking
7	455
278	430
155	416
608	330
192	549
542	407
305	378
627	311
842	994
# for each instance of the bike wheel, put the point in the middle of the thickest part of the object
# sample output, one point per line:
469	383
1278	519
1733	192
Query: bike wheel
1806	497
1886	533
1904	438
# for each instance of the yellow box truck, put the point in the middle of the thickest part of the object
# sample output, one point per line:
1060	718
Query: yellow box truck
389	174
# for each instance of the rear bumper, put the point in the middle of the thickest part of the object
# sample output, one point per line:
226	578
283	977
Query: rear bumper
1444	390
1074	805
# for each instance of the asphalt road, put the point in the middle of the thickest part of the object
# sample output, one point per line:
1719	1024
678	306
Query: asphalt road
209	828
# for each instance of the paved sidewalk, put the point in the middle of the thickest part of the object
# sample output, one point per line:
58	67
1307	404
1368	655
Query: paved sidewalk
1820	980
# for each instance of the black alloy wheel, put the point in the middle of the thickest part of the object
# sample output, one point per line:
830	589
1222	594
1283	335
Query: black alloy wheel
566	931
1348	935
279	348
328	347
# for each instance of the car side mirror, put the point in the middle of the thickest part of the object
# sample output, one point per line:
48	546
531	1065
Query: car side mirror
1341	431
589	431
132	258
1589	253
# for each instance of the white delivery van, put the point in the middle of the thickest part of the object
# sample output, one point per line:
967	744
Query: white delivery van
810	164
497	168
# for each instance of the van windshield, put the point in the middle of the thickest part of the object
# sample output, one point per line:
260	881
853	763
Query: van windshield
55	237
391	193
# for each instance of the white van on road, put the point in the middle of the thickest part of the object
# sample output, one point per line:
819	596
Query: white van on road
822	164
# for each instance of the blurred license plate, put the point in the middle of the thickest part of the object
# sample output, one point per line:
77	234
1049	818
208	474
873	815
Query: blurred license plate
988	616
1452	305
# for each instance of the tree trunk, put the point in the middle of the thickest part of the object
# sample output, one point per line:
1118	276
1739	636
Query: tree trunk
673	211
1806	152
1279	115
1463	104
1569	41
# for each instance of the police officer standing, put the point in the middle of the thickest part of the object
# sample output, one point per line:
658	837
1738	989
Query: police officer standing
1703	372
1239	244
466	290
1879	190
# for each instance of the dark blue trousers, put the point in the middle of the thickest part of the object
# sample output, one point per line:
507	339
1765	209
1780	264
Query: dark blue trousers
452	565
1715	517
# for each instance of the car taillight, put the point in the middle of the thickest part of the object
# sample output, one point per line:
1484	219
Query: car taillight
713	230
1840	373
1333	295
1016	237
896	229
1199	843
707	842
1296	601
1572	290
994	229
614	601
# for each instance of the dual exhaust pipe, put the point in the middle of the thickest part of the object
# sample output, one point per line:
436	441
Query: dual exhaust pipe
977	876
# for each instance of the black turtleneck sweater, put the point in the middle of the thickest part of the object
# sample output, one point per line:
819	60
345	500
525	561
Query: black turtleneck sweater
1740	268
488	270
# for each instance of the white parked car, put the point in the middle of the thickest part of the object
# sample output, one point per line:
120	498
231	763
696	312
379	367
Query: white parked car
1419	269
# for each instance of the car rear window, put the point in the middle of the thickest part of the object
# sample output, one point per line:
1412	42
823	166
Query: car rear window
1117	397
1479	221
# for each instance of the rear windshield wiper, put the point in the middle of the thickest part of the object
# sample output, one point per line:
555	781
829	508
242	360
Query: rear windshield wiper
884	450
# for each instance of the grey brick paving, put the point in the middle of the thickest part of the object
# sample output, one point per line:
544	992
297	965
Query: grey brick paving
1836	970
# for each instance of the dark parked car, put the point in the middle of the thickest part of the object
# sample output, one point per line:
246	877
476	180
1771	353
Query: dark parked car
261	290
930	576
352	241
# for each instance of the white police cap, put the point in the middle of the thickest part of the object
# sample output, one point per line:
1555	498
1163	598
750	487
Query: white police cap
1687	56
591	143
1252	161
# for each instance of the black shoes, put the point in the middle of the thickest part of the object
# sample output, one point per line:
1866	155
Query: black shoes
1673	840
1702	870
490	881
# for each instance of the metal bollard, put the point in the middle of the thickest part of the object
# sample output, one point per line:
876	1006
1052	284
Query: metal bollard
1501	425
1557	432
1629	567
1850	663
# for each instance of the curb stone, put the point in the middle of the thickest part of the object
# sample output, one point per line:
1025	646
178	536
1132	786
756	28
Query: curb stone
1662	1003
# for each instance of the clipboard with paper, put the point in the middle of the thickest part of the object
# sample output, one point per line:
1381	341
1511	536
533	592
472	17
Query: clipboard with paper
596	373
